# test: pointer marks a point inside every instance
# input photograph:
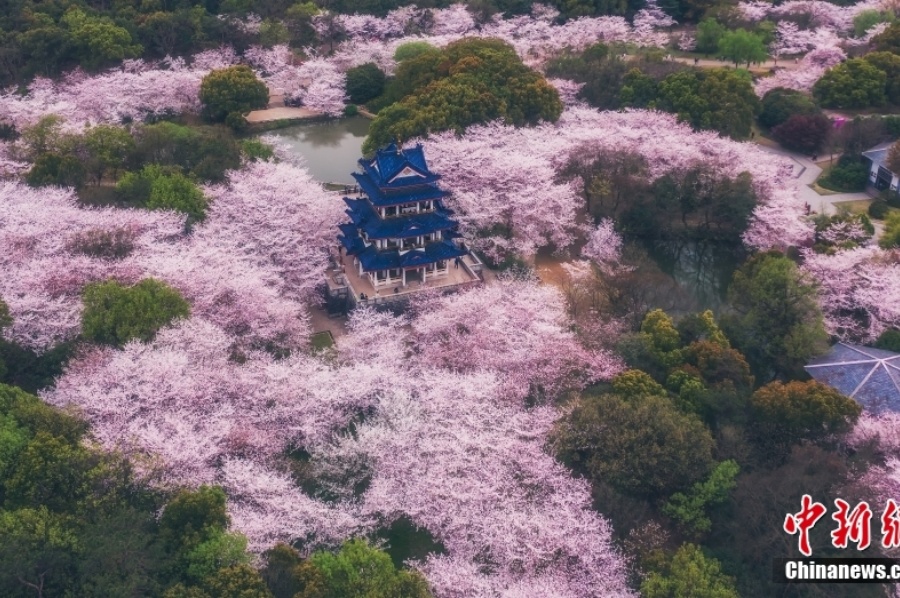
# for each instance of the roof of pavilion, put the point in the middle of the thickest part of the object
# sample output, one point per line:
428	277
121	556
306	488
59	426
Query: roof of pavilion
372	259
870	376
393	196
411	225
394	166
878	155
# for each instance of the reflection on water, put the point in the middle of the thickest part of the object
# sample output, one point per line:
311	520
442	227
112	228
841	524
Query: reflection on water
703	269
330	148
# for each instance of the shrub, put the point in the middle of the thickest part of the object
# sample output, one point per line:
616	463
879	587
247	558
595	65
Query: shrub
364	83
889	340
351	110
236	122
803	133
850	174
891	236
780	104
254	150
878	209
115	314
158	188
412	50
852	84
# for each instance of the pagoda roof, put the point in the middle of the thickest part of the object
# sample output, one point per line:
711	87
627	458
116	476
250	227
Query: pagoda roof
870	376
394	166
393	196
411	225
372	259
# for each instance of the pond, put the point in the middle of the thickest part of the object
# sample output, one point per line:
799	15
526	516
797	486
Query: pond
330	148
702	269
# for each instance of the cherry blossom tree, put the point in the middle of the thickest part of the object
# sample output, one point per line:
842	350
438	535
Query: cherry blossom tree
515	328
504	175
604	246
444	449
857	288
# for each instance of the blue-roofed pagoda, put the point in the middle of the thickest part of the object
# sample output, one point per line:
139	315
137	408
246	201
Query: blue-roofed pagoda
399	229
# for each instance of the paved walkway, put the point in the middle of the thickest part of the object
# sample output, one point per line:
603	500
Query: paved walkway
805	172
281	113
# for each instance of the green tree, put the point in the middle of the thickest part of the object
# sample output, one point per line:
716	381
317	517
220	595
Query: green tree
778	323
643	445
411	50
55	169
358	571
637	383
98	41
299	21
854	83
273	32
157	188
889	39
45	44
237	581
780	104
889	340
37	550
689	574
866	19
219	550
888	63
690	509
365	82
108	147
803	411
470	81
718	99
232	90
115	314
47	472
743	46
709	32
890	238
803	133
205	152
193	517
638	90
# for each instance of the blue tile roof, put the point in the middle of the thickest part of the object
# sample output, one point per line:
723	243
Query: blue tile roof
373	259
870	376
391	161
399	227
384	197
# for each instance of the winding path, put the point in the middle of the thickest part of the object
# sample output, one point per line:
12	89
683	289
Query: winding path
805	173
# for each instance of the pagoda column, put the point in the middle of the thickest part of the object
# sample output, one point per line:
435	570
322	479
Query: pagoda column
424	274
404	275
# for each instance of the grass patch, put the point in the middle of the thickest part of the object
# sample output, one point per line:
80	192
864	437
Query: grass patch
321	341
856	206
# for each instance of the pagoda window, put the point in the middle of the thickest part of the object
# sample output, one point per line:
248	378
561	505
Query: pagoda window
394	273
441	265
392	243
391	211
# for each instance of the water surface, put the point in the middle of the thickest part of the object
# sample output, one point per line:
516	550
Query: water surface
330	148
